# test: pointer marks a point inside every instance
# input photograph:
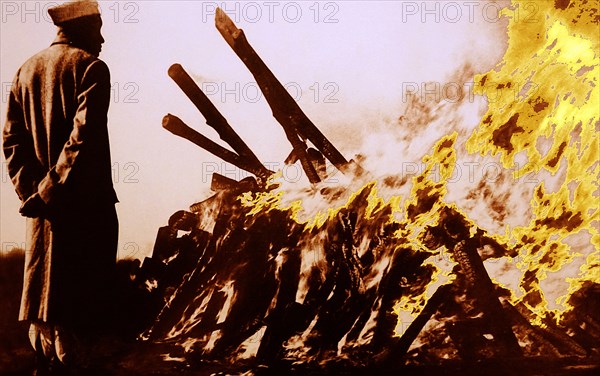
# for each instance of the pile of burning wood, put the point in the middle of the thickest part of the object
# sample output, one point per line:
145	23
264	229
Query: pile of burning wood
245	284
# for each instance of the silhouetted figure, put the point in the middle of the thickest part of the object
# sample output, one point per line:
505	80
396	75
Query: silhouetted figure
57	148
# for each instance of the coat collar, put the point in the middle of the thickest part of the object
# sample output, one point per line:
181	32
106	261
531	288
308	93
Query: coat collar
61	39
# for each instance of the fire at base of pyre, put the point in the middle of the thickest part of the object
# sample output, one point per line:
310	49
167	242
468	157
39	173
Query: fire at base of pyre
249	288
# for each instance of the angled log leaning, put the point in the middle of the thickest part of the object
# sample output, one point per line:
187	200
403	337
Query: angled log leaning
286	111
216	120
176	126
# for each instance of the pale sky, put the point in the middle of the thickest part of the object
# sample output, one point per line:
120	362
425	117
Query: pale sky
348	63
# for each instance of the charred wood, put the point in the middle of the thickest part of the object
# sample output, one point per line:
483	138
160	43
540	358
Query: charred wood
174	125
215	119
285	109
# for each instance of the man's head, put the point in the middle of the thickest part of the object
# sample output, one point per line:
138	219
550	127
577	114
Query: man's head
81	23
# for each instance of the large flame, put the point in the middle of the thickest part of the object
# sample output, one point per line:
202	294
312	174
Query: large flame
553	121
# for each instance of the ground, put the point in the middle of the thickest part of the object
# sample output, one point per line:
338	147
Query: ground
121	354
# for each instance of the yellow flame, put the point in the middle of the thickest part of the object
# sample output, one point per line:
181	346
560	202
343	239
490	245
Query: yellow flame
552	64
422	209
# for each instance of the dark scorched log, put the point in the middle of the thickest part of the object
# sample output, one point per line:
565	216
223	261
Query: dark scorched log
216	120
176	126
296	124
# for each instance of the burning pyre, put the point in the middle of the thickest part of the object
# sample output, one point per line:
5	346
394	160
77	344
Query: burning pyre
395	282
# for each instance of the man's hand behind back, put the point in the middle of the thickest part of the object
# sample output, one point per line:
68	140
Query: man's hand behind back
33	207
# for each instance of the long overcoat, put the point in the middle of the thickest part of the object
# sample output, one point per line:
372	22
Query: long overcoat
56	145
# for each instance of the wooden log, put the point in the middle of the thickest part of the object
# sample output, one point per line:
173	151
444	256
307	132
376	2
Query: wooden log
215	119
483	289
285	109
176	126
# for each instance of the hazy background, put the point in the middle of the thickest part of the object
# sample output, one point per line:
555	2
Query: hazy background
348	63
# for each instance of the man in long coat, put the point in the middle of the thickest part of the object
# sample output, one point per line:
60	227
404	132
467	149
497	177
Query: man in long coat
56	145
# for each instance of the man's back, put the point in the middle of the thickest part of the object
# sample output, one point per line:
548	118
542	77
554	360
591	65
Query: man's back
60	89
